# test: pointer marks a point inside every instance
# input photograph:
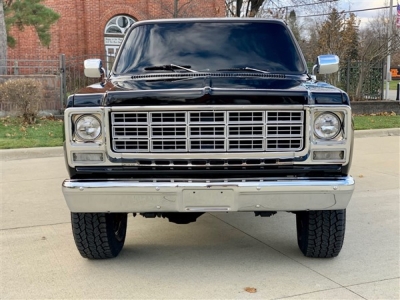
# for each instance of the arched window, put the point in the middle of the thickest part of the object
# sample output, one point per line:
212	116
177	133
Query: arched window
118	25
113	35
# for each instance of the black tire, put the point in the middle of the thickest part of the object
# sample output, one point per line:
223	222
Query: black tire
99	235
320	233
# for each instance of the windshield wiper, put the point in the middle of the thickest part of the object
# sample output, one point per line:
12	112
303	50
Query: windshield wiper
244	69
171	67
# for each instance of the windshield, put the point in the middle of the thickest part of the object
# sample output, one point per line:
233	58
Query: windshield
210	46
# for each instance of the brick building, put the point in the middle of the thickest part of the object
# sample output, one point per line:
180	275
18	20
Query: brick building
94	27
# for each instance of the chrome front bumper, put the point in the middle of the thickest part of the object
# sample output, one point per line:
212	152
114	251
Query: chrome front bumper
207	195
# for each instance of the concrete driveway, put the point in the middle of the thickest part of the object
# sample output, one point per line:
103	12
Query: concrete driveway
392	94
217	257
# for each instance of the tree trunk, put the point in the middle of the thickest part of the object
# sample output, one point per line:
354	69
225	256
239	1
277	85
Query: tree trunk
239	4
364	67
176	4
3	41
255	7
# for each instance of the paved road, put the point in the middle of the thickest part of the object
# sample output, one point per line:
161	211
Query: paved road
392	94
216	257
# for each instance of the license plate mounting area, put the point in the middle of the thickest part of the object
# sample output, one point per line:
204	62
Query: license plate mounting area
208	200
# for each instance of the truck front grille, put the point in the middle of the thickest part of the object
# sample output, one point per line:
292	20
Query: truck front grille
207	131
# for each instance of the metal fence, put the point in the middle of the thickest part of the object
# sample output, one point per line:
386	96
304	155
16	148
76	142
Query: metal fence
61	76
372	81
48	70
64	76
27	66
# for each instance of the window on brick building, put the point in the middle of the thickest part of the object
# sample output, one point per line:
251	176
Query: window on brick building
113	35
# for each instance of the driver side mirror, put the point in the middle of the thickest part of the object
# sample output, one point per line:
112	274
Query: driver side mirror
326	64
93	68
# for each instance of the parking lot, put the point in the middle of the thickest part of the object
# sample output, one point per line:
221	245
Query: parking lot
217	257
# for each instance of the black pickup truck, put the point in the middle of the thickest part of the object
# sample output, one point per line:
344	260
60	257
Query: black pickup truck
208	115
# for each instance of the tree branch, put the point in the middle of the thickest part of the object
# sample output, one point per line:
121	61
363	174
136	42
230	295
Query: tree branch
183	5
228	7
247	8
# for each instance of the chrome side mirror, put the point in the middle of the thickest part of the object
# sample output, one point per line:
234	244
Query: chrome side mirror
326	64
93	68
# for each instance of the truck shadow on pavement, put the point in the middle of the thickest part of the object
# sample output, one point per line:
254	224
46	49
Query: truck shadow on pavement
215	238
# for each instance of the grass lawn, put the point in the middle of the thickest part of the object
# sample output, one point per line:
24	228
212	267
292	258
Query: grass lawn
376	122
44	133
49	133
393	84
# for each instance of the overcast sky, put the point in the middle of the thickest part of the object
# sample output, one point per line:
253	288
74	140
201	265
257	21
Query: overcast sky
364	4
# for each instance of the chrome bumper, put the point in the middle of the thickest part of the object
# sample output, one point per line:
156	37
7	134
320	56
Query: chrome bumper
207	196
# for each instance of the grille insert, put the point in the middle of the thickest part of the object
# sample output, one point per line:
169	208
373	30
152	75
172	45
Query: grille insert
207	131
206	164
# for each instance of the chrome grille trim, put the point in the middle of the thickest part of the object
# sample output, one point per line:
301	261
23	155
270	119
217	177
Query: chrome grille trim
133	145
209	163
170	145
168	132
248	117
207	145
246	145
208	131
131	118
168	118
246	131
207	117
219	180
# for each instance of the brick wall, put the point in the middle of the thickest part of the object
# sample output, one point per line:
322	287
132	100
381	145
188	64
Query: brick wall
79	31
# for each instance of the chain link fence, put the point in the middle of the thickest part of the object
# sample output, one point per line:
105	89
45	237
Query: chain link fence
362	82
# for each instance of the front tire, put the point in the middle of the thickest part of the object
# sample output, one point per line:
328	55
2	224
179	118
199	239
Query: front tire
99	235
320	233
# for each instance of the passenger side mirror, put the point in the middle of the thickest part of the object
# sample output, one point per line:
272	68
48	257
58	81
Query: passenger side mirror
93	68
326	64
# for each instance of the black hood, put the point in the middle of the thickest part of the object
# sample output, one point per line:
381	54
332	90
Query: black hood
218	80
197	89
257	89
207	90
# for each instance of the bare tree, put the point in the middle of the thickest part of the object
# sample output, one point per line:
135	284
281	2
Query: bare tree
373	47
3	40
281	9
180	8
243	8
396	58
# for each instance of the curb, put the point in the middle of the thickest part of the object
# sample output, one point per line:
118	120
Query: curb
27	153
377	133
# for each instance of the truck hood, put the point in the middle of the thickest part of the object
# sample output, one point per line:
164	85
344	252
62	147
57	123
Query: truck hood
195	89
215	81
